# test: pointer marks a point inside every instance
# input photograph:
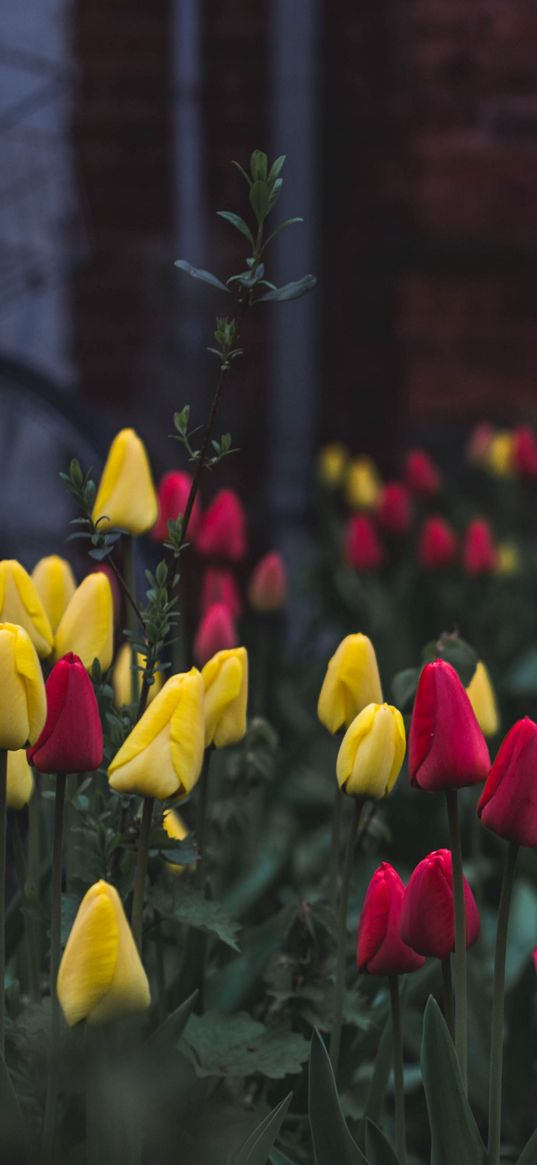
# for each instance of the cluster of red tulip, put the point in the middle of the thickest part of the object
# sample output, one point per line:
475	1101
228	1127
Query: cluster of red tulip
504	452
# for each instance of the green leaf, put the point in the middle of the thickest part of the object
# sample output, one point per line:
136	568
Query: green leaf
259	165
455	1138
290	290
199	273
256	1148
237	222
378	1149
279	1158
404	686
276	168
260	200
243	172
184	903
237	1045
528	1155
172	1028
288	222
381	1073
455	651
332	1140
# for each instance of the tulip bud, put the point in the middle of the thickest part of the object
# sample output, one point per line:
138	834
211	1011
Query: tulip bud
126	494
508	804
20	604
508	559
121	677
363	548
226	695
23	705
372	752
87	627
437	546
332	463
176	829
173	494
162	756
483	701
447	749
351	682
499	456
20	781
216	632
380	949
219	586
479	443
427	922
394	511
101	977
268	584
222	530
479	553
72	738
362	484
421	473
55	584
525	451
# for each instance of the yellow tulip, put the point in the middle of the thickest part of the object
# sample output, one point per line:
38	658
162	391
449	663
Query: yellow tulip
372	752
126	495
499	458
226	695
101	976
362	484
55	584
121	677
87	626
175	827
483	700
332	463
508	559
163	755
20	781
352	680
23	703
20	604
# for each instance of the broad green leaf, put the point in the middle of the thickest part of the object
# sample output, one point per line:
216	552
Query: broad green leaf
276	168
171	1030
291	290
455	651
528	1155
260	200
279	1158
381	1074
236	221
237	1045
10	1112
404	686
186	904
378	1149
455	1138
199	273
332	1140
258	165
256	1147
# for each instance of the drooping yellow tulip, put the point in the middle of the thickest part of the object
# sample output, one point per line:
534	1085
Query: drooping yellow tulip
20	604
362	484
23	703
87	626
351	682
163	755
101	977
55	584
126	495
372	752
121	677
483	700
226	696
20	781
332	463
176	829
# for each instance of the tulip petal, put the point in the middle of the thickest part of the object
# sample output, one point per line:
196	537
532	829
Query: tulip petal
128	991
126	494
20	604
87	627
89	960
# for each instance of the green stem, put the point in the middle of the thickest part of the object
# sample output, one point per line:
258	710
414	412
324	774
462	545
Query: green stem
33	878
141	871
3	828
449	1013
334	848
461	1046
399	1087
32	971
130	613
49	1124
339	990
70	854
202	819
496	1040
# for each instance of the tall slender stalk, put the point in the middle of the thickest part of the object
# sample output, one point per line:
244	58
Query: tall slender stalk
449	1013
49	1124
339	990
33	877
32	970
202	819
496	1038
461	1035
335	842
130	613
141	871
3	840
399	1086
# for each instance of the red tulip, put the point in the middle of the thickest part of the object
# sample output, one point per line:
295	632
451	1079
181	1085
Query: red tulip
525	451
380	949
72	739
437	545
216	632
427	921
508	803
219	586
394	512
447	749
173	494
268	584
222	530
421	473
363	547
479	554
